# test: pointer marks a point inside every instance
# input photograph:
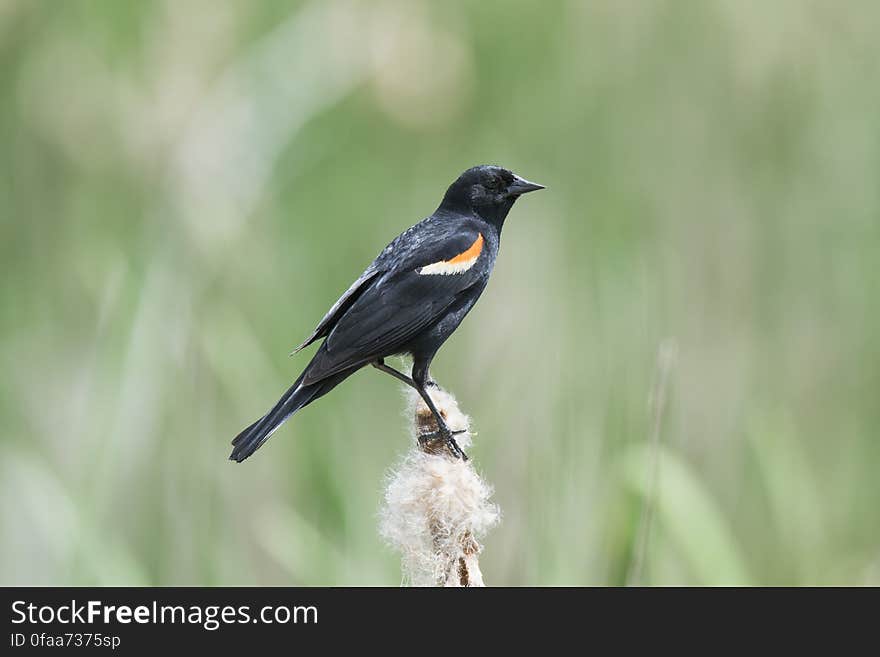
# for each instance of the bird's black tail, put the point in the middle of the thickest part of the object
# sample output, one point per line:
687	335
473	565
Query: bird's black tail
297	396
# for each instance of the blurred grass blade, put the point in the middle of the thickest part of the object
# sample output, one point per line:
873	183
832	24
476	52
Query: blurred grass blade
688	516
74	548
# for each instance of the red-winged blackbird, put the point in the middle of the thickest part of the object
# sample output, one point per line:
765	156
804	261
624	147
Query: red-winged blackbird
408	301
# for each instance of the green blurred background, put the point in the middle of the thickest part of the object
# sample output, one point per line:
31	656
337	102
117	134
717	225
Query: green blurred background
186	187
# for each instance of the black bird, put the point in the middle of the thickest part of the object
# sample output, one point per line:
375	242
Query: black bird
408	301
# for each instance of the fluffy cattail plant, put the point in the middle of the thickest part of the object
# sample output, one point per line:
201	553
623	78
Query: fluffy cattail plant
437	507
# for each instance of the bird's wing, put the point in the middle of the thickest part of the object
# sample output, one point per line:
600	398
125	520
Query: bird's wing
342	304
396	306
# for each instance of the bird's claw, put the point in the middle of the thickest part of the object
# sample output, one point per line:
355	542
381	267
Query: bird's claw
448	437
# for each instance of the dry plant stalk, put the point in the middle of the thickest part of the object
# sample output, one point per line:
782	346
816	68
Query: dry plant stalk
437	507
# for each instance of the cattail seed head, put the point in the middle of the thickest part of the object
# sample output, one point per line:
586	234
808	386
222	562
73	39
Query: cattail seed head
437	507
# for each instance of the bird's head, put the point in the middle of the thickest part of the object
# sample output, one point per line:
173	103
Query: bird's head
487	191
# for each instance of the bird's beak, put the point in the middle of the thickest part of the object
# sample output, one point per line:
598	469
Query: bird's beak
521	186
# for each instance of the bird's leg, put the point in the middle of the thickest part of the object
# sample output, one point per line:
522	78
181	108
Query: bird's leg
380	365
421	377
443	429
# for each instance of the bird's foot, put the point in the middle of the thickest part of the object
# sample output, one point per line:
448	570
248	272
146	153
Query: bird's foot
430	442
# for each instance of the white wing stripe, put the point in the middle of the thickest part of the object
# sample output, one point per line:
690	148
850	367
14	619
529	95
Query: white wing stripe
445	268
460	263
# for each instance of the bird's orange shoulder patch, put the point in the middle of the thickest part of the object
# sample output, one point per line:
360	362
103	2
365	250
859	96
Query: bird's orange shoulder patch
457	264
